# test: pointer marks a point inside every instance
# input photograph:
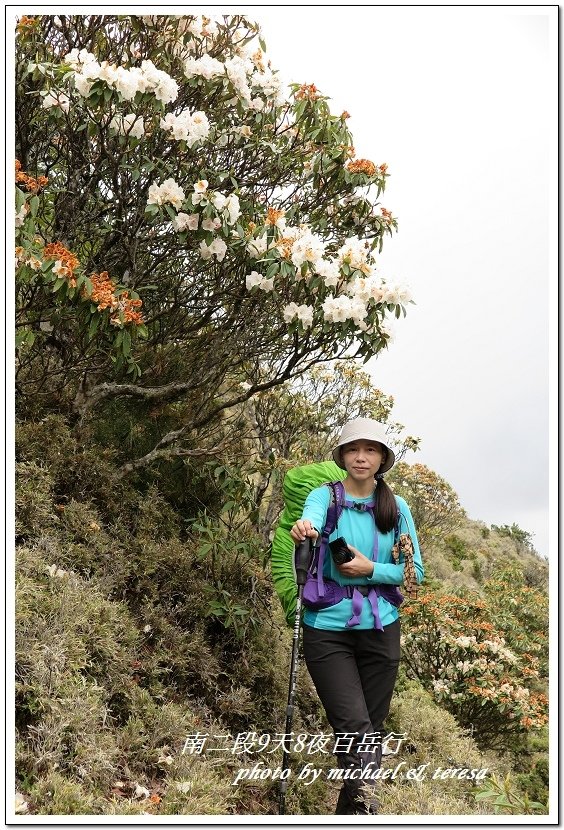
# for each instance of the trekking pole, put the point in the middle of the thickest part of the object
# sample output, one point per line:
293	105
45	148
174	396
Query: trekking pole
302	559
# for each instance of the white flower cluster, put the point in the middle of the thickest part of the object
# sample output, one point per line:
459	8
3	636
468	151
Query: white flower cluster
247	74
56	99
130	125
304	313
257	247
465	642
21	214
187	126
342	308
168	191
355	253
440	686
217	248
128	82
499	649
227	206
308	247
301	246
256	280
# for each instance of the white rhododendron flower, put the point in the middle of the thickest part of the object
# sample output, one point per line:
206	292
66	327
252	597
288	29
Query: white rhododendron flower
168	191
20	215
355	254
290	311
336	309
256	280
308	247
366	288
206	67
330	270
217	247
187	126
128	82
164	87
257	247
271	84
304	313
77	59
253	279
56	99
186	222
218	200
211	224
232	208
200	191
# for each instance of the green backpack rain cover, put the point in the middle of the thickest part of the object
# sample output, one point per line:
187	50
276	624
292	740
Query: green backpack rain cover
298	483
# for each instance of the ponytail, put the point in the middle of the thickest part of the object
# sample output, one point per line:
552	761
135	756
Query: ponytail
385	510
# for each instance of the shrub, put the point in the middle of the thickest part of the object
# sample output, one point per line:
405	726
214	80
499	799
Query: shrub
454	647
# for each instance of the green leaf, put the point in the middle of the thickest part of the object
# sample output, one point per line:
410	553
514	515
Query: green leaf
34	205
94	322
126	342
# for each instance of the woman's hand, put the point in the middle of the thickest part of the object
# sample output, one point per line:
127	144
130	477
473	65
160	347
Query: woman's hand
303	529
359	566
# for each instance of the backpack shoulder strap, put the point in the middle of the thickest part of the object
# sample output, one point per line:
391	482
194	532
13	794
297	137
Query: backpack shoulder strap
336	504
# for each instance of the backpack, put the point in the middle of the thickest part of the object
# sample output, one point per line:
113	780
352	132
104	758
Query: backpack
298	483
319	592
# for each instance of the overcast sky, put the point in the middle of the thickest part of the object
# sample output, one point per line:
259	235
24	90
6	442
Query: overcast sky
461	105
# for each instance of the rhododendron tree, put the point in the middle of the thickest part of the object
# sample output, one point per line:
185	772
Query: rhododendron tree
185	221
433	502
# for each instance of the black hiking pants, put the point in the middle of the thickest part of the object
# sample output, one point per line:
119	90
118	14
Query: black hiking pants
354	673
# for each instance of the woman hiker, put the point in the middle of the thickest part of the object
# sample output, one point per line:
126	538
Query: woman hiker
352	647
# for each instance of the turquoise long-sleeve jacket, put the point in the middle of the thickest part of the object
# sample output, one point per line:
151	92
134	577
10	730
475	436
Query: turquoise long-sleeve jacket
359	530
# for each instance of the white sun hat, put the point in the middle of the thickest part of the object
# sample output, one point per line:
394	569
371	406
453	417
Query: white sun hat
368	430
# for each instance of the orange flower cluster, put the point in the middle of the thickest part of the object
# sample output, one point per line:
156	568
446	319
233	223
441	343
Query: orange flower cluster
345	115
65	263
256	58
362	166
482	692
273	215
30	184
308	91
386	214
123	308
284	245
25	23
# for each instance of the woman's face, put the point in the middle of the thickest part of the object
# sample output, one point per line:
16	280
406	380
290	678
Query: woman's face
362	459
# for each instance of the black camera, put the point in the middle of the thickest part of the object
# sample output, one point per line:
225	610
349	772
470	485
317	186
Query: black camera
340	551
